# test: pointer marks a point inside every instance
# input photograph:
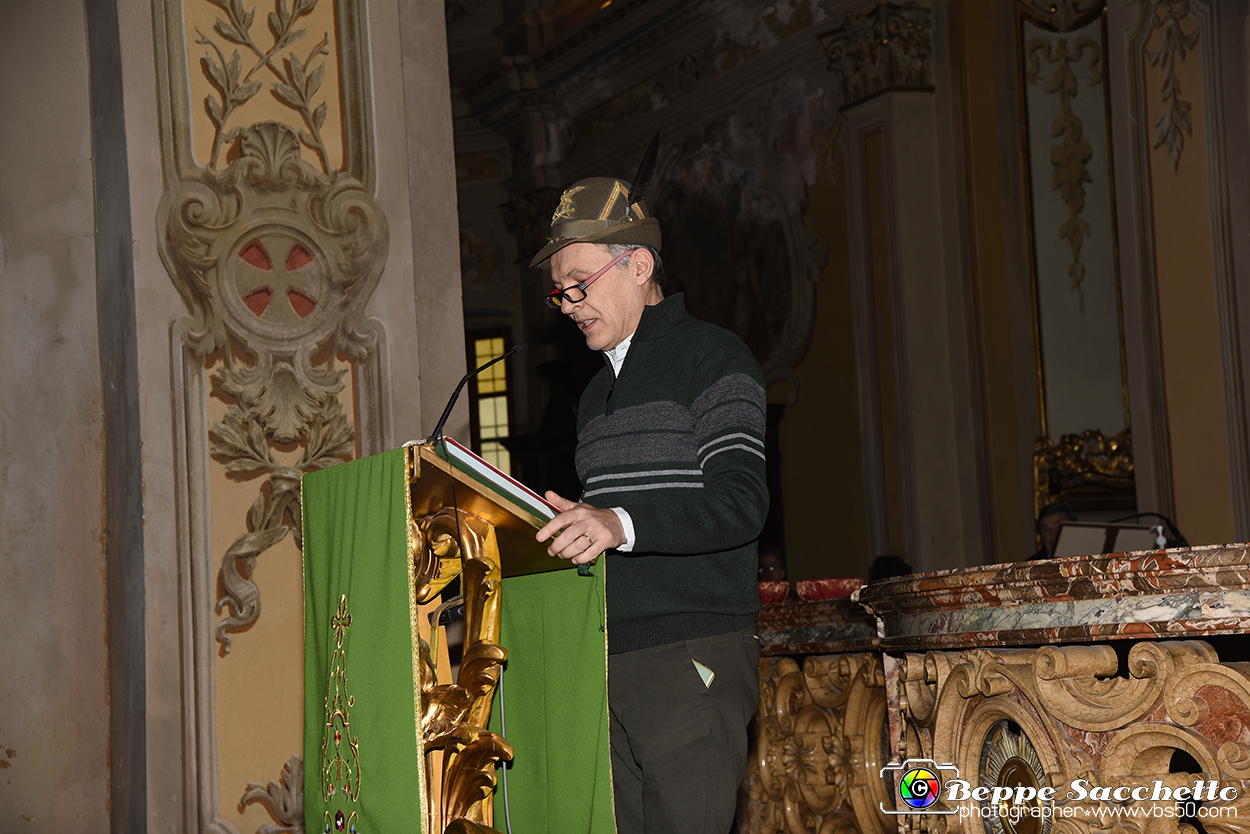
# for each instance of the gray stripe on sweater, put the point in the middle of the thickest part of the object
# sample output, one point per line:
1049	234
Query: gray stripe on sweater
663	432
742	446
732	387
735	415
647	474
642	488
724	438
666	448
657	416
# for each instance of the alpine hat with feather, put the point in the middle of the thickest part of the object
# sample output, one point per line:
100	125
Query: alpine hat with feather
605	210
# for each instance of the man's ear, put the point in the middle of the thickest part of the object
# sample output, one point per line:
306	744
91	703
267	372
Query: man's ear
643	265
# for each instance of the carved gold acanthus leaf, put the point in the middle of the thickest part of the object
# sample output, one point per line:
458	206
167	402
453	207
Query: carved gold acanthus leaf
469	777
435	556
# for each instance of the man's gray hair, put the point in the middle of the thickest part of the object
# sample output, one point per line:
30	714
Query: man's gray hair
657	274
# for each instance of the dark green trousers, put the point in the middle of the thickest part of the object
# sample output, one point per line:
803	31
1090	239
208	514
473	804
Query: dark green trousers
679	745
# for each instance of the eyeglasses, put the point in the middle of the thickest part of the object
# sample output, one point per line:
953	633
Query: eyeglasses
556	298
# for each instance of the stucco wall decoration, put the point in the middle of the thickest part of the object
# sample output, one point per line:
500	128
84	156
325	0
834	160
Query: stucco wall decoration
1175	121
273	238
1071	152
886	47
275	267
1070	204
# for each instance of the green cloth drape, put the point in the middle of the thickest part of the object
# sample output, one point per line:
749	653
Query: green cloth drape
356	565
555	705
357	590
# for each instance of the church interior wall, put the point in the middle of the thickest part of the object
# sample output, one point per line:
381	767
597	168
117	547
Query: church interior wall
874	251
1188	313
207	705
828	411
54	706
744	100
997	254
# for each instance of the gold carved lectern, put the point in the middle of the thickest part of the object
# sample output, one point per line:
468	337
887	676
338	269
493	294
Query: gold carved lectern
460	518
396	744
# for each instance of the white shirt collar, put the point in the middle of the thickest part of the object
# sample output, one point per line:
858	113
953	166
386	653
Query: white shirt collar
616	355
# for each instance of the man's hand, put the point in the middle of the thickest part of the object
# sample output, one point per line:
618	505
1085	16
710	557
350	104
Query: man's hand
580	532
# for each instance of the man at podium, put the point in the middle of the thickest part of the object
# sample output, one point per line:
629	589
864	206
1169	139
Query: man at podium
671	459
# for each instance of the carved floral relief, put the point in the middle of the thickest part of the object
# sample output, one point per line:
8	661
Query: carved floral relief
819	747
1069	203
278	64
1035	718
1071	153
1168	18
271	234
275	262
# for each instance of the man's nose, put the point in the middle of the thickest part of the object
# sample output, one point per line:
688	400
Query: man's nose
567	307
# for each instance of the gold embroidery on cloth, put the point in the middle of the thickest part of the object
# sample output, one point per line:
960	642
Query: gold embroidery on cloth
565	210
339	822
339	775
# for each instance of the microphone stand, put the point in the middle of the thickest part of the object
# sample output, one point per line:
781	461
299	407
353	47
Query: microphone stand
438	429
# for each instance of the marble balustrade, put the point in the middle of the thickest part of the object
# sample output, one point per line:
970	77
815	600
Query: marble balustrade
1111	680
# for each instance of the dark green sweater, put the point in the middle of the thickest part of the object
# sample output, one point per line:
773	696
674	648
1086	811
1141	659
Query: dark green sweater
677	441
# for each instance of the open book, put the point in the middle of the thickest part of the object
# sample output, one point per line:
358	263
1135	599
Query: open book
445	474
466	461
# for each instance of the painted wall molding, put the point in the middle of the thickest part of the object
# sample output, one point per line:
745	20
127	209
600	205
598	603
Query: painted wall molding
275	242
1127	32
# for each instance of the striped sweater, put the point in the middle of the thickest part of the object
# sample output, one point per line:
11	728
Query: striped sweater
677	441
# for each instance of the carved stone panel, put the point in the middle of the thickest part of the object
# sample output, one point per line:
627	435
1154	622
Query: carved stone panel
271	234
819	747
1100	735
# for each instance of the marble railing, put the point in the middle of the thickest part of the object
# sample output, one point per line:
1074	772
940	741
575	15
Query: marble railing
1110	680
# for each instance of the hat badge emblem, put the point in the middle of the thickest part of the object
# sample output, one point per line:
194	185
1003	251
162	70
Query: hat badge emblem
565	210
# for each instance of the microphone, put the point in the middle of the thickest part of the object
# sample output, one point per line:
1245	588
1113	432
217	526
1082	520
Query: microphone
438	429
